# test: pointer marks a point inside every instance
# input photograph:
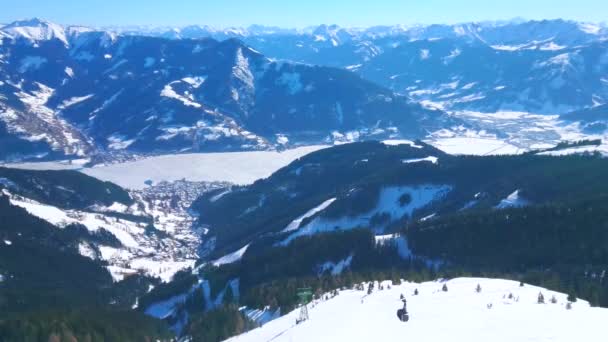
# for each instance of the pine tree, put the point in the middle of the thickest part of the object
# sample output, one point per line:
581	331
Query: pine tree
553	300
569	306
402	296
444	288
541	298
571	297
521	284
478	288
415	292
196	301
228	295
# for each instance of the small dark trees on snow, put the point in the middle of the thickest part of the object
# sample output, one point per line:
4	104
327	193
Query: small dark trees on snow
553	300
444	288
402	296
568	306
571	297
521	284
415	292
541	298
478	288
370	288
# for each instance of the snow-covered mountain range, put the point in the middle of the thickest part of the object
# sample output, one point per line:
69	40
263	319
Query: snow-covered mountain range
73	91
70	90
548	66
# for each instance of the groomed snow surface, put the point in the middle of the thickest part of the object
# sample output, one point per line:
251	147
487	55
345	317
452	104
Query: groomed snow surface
461	314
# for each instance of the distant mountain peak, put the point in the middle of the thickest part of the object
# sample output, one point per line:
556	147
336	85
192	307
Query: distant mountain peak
28	22
36	29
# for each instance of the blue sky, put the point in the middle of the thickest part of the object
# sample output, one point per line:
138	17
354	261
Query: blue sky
296	13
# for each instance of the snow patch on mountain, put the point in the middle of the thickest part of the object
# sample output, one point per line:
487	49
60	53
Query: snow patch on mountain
508	47
514	200
292	81
425	54
119	142
231	258
474	146
195	81
397	240
106	103
149	62
69	71
187	99
590	28
431	159
241	69
401	142
86	250
74	100
453	54
295	224
30	63
335	268
166	308
261	316
388	204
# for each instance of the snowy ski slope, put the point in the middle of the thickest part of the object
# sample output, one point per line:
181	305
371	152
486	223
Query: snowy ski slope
461	314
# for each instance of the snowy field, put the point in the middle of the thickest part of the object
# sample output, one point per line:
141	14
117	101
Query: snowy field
461	314
505	133
233	167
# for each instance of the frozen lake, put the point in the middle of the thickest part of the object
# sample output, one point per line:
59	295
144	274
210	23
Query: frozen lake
234	167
